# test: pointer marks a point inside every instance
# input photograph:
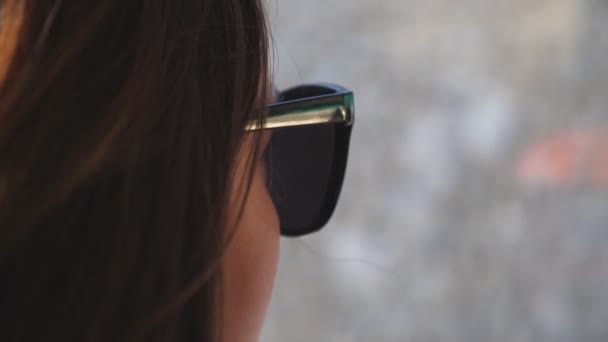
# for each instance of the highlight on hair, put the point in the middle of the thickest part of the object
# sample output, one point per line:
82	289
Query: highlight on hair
120	122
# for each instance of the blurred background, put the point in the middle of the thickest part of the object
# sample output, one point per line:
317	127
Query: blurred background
475	205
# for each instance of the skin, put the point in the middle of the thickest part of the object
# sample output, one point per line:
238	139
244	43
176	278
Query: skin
250	262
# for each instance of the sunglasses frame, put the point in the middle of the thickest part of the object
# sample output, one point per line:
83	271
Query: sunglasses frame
335	105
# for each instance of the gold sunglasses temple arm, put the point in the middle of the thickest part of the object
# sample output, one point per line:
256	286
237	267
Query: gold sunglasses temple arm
284	115
323	115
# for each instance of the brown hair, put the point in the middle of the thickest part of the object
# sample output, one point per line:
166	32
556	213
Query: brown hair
119	125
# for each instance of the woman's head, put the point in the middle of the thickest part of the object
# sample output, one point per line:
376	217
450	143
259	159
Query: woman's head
129	194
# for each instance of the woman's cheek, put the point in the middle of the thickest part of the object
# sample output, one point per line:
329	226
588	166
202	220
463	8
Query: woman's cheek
250	265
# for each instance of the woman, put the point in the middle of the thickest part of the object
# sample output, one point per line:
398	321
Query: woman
144	178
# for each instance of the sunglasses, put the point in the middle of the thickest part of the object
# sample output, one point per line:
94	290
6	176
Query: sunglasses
307	153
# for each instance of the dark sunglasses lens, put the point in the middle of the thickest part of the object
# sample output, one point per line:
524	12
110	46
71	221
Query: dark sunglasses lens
300	165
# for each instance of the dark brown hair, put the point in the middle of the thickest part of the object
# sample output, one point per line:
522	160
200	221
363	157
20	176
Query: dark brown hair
119	125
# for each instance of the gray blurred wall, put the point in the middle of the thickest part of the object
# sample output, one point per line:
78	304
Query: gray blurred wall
474	207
